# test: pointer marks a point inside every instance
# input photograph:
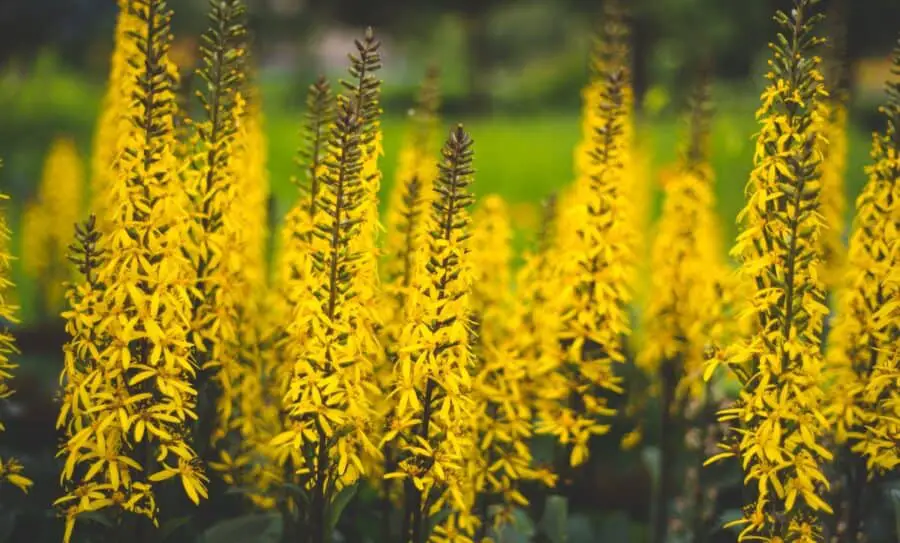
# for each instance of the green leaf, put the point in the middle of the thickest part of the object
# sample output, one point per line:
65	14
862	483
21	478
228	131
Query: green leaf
171	526
340	503
296	491
254	528
97	516
651	458
553	521
895	498
521	530
436	520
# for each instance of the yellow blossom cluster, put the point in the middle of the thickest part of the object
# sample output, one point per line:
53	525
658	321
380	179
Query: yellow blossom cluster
49	221
777	426
863	355
596	251
432	428
129	372
10	469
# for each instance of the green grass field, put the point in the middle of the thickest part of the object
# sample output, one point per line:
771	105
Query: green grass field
525	159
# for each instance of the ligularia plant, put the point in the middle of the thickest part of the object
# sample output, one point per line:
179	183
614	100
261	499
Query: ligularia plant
10	468
127	418
433	427
863	359
212	187
597	254
777	425
686	308
328	400
422	377
49	221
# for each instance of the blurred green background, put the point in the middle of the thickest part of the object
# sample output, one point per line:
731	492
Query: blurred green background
512	71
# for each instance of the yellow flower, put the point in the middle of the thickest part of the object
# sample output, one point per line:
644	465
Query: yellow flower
777	420
434	358
406	235
217	235
128	376
330	340
192	478
596	244
10	469
863	363
113	125
48	223
501	383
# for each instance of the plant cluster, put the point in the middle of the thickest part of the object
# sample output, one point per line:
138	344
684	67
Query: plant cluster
410	363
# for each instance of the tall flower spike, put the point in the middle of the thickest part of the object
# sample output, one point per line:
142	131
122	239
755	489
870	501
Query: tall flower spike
432	427
328	398
407	231
503	415
47	224
81	353
364	91
140	394
257	417
216	230
10	468
777	424
407	217
112	126
597	260
833	124
536	342
864	401
295	279
685	311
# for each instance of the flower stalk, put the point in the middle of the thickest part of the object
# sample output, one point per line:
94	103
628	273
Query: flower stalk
777	426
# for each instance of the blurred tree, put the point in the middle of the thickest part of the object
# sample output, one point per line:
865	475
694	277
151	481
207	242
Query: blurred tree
27	26
412	17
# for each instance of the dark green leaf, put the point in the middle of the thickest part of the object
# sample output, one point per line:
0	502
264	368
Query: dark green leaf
171	526
553	522
340	503
895	499
255	528
521	530
98	517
